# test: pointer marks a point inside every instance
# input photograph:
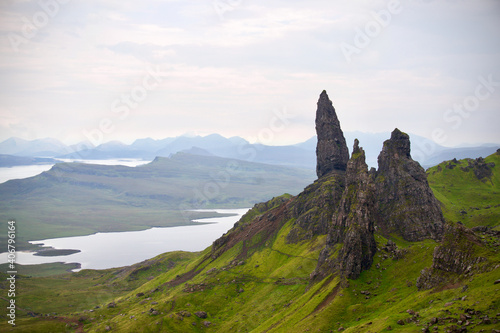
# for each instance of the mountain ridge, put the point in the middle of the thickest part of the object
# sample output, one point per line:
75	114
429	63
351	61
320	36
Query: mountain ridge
425	151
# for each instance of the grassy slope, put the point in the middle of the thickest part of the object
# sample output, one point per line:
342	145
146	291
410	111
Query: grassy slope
68	298
50	269
268	292
272	297
80	199
461	191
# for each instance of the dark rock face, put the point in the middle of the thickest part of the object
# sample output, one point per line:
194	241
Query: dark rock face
315	206
397	198
456	255
354	224
350	244
406	203
331	151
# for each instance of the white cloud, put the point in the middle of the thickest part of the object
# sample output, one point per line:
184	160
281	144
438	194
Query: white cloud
227	75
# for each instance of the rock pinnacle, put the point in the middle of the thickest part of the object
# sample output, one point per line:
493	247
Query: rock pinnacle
331	151
406	202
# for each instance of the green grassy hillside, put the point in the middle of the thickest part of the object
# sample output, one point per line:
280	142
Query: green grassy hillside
268	292
262	284
465	197
79	199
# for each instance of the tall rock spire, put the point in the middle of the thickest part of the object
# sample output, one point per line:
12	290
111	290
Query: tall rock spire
406	202
331	151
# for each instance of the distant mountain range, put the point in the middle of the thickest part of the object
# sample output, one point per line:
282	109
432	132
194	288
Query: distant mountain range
47	147
301	155
7	161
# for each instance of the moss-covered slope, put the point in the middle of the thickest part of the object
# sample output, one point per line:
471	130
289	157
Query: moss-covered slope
469	190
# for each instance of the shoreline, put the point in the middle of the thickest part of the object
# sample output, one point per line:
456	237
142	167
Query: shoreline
69	250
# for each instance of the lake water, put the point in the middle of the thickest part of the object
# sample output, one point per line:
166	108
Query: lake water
25	171
116	249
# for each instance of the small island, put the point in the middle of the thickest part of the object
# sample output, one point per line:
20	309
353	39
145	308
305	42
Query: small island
51	252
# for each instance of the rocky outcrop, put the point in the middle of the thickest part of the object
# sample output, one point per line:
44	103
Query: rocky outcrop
346	203
331	150
406	203
481	169
264	226
351	244
456	255
354	224
315	207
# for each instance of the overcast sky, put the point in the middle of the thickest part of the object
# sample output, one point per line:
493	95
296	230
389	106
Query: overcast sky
120	70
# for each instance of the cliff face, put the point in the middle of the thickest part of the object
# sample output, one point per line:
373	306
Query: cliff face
350	245
314	208
396	198
331	150
406	203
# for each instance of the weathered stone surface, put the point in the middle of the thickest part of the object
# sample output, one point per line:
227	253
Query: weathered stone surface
406	203
350	244
315	206
456	255
354	224
184	313
201	314
481	169
331	150
393	251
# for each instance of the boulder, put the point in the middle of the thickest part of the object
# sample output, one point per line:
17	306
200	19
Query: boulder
201	314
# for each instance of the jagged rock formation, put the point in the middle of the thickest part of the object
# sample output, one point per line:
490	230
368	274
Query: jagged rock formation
481	169
347	203
406	203
396	198
354	224
315	206
456	255
331	150
350	244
